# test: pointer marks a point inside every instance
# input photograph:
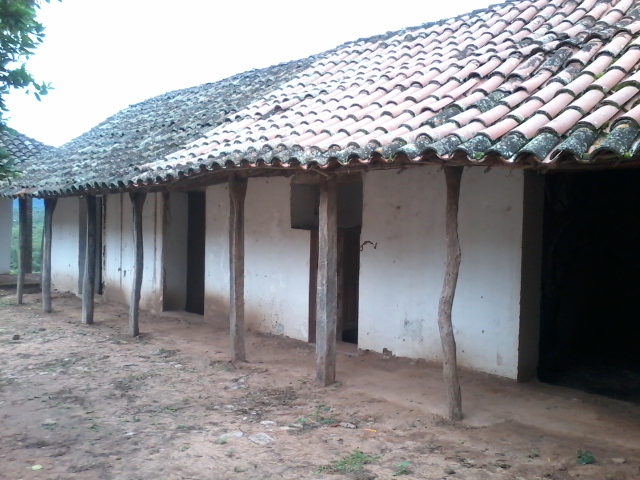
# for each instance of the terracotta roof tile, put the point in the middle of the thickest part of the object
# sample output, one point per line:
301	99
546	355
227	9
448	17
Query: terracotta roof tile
547	81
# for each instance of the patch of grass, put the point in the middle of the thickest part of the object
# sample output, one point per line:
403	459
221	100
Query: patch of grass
319	414
354	462
230	453
403	468
8	301
322	408
171	409
94	428
239	469
533	454
221	441
585	457
328	421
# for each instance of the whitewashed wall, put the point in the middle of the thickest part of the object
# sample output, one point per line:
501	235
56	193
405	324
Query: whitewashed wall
402	268
216	277
402	262
401	278
65	243
276	259
119	253
6	225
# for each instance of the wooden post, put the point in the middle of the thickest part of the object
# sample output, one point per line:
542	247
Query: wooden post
137	201
49	207
89	279
28	230
23	246
237	193
327	284
453	176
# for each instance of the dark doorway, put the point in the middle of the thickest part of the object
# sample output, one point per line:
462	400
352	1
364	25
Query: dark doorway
590	316
305	200
195	252
348	284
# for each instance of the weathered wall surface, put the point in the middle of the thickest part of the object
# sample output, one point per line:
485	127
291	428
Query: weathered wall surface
119	250
65	245
276	259
401	278
6	225
402	267
216	277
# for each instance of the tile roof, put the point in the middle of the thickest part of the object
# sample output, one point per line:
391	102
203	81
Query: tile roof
542	84
103	156
20	147
20	150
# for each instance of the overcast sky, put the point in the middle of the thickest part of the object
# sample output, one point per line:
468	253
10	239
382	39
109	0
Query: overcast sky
103	55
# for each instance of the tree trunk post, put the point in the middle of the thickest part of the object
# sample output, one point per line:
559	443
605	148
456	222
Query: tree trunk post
453	176
89	279
23	246
137	202
237	194
49	208
29	240
327	284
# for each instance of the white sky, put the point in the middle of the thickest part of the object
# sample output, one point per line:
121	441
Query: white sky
103	55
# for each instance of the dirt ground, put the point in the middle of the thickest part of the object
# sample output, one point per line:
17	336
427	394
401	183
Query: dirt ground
88	402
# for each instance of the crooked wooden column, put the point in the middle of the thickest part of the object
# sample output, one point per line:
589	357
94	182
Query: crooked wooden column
89	279
49	208
453	176
24	246
137	202
28	230
237	194
327	283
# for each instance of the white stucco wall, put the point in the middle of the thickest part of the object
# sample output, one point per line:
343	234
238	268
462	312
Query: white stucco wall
119	253
65	242
6	226
216	277
401	278
276	259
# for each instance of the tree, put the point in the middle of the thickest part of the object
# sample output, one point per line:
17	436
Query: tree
20	35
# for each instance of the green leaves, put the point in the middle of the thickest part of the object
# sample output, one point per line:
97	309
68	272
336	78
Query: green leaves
585	457
20	34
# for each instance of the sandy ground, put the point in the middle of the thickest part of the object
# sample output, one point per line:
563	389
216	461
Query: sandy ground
88	402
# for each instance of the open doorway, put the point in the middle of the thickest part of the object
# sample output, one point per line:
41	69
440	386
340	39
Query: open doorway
183	251
305	200
195	253
348	284
590	315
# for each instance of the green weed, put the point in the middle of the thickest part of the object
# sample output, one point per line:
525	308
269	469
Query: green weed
354	462
585	457
402	469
